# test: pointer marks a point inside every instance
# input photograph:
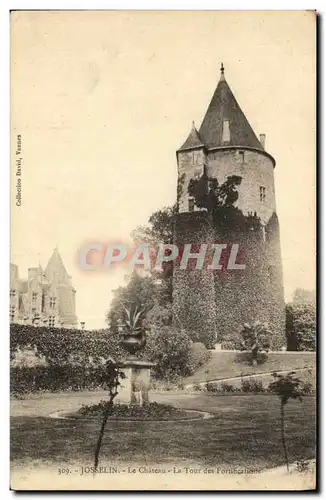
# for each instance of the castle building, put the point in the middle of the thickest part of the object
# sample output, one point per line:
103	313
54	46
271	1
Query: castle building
45	298
221	302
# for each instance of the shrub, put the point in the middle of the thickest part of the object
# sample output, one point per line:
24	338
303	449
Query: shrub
225	387
301	326
197	387
302	465
61	346
307	388
169	349
159	315
149	411
231	344
198	356
246	358
252	385
211	387
63	359
255	338
55	378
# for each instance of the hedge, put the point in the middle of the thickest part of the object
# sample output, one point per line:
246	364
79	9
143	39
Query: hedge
74	359
69	359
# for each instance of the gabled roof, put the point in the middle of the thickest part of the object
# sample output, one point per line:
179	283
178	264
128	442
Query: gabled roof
224	107
193	140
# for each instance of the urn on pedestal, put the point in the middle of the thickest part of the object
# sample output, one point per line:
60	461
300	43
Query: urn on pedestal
135	385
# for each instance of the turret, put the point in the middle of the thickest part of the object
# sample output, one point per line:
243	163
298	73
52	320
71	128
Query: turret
191	159
226	145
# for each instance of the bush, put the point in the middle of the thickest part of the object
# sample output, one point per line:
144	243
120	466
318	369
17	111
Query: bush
231	344
169	349
252	385
61	346
211	387
307	388
54	378
256	339
198	356
225	387
246	358
149	411
63	359
197	387
301	326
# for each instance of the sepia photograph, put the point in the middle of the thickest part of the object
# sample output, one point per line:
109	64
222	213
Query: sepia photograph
163	250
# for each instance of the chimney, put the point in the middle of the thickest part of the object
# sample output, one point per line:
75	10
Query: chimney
32	272
262	139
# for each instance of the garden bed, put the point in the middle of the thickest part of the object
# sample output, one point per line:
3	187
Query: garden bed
148	412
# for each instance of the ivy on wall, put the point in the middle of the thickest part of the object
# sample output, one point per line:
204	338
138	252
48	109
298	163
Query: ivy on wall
61	346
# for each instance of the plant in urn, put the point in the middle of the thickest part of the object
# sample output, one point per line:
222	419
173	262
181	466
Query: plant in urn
136	370
133	334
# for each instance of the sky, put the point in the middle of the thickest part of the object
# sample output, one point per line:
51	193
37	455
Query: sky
102	101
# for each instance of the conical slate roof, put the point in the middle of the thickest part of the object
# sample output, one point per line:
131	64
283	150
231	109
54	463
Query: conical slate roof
55	270
224	107
193	140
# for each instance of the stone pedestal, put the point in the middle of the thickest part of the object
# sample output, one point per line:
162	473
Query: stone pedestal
134	387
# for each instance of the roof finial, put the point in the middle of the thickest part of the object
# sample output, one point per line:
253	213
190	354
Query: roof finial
222	69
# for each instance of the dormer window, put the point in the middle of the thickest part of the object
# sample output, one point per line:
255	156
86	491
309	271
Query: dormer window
226	131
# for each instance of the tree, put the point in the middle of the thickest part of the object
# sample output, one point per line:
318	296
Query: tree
112	379
141	291
301	295
159	228
255	338
219	201
159	315
154	286
286	387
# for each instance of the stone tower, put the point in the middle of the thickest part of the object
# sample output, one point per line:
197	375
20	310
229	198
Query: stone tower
215	304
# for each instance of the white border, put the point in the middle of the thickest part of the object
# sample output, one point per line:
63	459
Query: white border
5	6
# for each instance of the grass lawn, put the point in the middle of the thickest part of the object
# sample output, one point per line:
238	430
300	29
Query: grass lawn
231	364
245	432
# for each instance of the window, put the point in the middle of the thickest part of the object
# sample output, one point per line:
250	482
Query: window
12	293
53	302
198	172
34	297
51	321
196	157
226	131
242	156
12	313
191	204
262	193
